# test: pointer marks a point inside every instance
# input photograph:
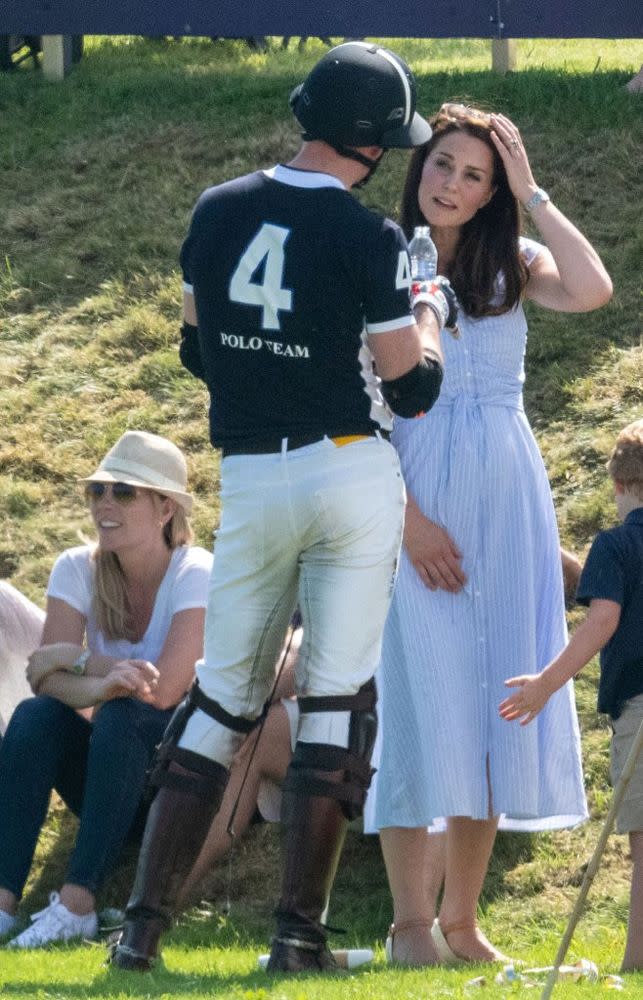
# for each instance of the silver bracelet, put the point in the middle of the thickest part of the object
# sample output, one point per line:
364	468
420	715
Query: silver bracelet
536	199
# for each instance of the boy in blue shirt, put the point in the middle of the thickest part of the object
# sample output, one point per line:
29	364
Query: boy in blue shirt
612	585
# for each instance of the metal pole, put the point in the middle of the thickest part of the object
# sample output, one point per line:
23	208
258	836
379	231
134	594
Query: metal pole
592	867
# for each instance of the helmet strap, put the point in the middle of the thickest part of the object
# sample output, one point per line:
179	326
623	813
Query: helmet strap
350	154
353	154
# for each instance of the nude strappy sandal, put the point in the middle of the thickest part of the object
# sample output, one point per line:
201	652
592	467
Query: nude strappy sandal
445	952
404	925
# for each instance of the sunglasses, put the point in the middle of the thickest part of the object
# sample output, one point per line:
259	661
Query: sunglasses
121	492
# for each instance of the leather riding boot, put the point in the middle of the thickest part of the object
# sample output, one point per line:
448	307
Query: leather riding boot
177	825
313	829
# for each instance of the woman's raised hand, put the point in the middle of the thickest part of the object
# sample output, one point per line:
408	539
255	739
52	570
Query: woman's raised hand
506	138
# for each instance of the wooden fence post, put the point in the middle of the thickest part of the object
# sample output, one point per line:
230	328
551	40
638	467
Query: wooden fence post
503	55
56	56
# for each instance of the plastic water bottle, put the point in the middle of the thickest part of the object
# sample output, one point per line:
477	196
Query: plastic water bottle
424	256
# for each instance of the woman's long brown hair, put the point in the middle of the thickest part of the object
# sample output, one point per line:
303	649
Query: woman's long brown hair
488	243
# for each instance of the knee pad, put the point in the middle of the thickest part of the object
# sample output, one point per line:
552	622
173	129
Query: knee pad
311	760
204	772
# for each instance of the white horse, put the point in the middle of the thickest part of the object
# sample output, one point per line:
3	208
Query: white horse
21	625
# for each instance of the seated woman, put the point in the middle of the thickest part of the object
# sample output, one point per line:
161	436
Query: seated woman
20	633
123	629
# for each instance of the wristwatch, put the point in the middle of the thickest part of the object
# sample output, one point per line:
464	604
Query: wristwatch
80	665
537	197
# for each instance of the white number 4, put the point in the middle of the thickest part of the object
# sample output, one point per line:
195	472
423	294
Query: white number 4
267	246
403	276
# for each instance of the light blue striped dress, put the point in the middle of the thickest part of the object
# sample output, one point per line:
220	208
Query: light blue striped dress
473	466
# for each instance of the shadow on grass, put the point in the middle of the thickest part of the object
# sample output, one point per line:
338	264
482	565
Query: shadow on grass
115	983
510	850
249	885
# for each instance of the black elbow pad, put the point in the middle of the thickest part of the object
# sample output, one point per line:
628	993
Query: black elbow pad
415	392
190	352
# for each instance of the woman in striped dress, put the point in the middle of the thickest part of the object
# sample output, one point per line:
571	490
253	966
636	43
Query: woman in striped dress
480	591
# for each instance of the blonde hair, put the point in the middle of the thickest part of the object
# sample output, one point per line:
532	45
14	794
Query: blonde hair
110	601
626	461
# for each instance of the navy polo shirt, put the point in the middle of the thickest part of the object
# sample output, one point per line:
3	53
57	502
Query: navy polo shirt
614	572
290	273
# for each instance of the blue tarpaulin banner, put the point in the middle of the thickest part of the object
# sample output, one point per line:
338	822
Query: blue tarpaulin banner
336	18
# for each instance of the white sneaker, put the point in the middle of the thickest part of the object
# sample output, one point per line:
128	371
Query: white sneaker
55	923
7	922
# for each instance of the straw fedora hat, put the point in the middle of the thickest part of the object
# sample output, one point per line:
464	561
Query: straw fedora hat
148	461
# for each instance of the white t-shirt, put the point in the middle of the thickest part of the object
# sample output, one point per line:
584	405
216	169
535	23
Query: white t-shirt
185	585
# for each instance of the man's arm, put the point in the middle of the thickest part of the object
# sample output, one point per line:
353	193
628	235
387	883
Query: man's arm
409	362
429	330
189	349
189	308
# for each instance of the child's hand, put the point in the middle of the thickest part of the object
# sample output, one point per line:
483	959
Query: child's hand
526	702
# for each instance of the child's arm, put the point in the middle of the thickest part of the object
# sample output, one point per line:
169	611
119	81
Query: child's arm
534	690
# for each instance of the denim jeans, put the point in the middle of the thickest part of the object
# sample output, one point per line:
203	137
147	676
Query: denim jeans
98	768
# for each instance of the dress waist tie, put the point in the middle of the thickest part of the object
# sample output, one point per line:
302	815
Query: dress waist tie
464	465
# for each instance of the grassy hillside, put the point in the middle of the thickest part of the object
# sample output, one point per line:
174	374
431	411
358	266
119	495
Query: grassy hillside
98	176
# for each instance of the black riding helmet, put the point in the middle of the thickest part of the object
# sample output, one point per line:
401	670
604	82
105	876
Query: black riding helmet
360	94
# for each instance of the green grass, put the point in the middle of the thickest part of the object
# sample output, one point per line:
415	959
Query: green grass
99	174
